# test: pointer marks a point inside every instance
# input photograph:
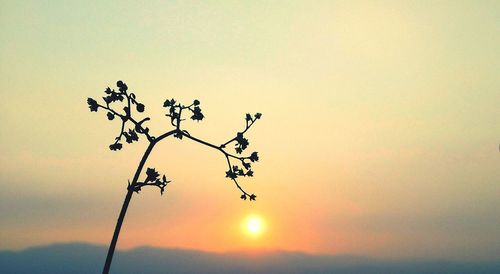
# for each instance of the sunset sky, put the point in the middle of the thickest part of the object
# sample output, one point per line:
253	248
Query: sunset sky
380	130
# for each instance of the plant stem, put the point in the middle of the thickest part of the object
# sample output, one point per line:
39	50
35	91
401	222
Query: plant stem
128	197
112	245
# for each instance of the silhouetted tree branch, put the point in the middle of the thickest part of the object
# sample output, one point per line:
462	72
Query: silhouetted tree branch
132	128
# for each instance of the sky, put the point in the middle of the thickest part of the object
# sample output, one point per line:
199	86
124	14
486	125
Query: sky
380	130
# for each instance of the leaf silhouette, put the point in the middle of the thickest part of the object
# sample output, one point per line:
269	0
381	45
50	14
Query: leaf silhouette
140	107
151	174
231	174
241	143
131	136
115	146
92	104
197	115
254	157
121	86
246	165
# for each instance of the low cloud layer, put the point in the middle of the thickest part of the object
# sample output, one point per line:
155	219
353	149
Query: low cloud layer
86	259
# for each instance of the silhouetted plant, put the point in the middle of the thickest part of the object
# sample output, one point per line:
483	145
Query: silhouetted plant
132	129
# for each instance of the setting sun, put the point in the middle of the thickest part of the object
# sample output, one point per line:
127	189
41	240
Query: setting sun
254	225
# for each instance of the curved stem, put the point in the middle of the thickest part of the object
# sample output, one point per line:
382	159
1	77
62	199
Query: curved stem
247	127
114	240
152	142
234	180
121	217
128	197
227	155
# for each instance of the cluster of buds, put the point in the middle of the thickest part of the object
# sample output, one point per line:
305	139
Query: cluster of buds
132	128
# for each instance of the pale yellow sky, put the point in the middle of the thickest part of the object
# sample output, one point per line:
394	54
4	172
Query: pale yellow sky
379	137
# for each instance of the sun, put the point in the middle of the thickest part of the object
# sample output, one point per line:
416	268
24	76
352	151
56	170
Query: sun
254	225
